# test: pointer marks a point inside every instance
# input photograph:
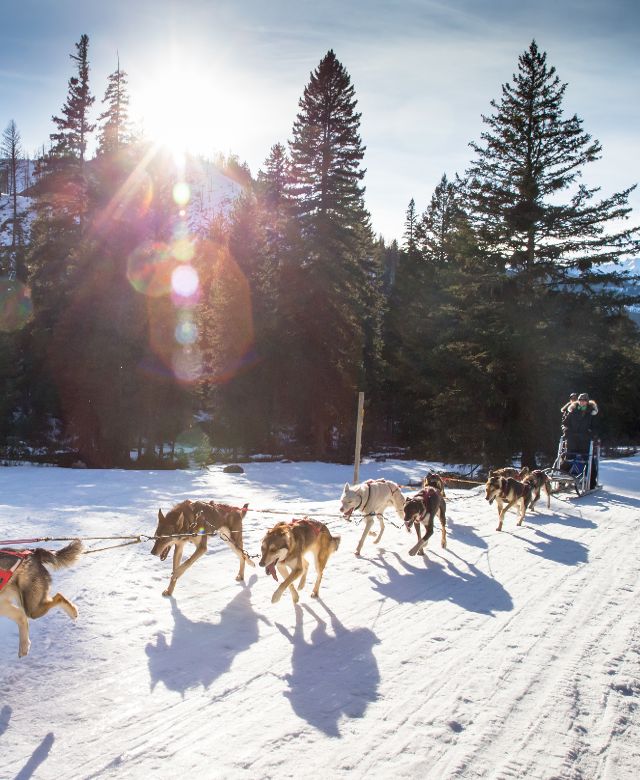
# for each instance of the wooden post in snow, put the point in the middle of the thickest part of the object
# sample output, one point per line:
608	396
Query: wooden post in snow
356	463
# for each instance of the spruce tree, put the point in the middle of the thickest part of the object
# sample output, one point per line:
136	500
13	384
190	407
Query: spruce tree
74	126
529	156
115	132
11	151
540	239
410	243
332	305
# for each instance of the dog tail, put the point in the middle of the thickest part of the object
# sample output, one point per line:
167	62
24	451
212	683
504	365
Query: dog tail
67	556
335	543
547	489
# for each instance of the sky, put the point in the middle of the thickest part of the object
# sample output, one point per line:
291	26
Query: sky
228	74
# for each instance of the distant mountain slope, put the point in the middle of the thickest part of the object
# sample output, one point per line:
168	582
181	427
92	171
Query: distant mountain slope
212	192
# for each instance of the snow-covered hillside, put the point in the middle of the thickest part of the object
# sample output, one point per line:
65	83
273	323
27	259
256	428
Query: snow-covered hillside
513	654
25	209
211	191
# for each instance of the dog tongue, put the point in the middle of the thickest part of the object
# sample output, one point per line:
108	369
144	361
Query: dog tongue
271	569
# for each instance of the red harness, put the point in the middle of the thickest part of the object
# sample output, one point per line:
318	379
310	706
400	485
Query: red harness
7	574
316	526
426	493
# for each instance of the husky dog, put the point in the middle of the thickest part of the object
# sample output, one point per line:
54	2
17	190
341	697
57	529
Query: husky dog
195	519
371	498
24	586
433	479
421	509
508	471
508	492
538	479
284	547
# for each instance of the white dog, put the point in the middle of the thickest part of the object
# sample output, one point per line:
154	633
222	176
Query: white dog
371	498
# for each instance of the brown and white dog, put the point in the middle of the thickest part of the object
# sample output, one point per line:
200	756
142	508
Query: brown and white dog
284	548
538	479
195	519
508	492
508	471
24	590
421	509
371	498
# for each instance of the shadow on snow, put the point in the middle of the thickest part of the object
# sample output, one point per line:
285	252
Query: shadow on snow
439	579
332	674
199	651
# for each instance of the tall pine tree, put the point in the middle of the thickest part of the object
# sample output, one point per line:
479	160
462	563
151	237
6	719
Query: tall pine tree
115	131
332	294
541	237
74	126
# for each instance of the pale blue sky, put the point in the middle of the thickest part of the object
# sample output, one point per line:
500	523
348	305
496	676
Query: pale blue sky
424	72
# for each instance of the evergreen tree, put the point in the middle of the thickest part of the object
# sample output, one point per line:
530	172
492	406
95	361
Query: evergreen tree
74	126
332	294
410	244
531	153
435	228
537	257
274	179
11	151
115	132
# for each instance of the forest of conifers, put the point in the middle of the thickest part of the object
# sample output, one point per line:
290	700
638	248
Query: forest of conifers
125	329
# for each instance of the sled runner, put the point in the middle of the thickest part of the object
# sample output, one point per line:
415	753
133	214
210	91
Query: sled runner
575	470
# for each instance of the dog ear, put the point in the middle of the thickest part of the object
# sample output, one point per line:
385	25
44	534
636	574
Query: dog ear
160	516
244	509
181	522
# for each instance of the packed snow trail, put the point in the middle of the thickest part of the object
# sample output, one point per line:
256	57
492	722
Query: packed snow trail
513	654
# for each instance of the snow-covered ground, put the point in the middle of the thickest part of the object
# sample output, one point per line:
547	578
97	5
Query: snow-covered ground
513	654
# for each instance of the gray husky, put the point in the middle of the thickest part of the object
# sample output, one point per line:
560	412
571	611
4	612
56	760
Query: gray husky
26	593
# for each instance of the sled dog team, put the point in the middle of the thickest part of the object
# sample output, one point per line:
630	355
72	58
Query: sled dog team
25	580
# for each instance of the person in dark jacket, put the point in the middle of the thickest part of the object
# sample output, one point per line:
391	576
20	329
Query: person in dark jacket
565	408
578	424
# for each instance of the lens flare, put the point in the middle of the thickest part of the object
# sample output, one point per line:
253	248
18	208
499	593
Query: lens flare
15	305
181	193
149	269
183	250
186	332
187	364
184	281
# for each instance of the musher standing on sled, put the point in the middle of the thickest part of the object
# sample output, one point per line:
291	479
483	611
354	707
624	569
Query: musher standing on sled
578	428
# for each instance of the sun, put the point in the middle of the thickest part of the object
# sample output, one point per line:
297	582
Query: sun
181	109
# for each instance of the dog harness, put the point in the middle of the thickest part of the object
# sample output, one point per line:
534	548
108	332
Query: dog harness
363	504
316	526
7	574
424	495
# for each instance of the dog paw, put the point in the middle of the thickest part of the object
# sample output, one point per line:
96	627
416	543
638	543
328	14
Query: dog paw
240	578
420	552
74	612
276	597
166	593
314	595
24	650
